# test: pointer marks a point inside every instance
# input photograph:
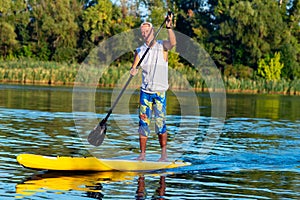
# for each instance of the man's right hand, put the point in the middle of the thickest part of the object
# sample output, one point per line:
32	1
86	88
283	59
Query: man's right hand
133	71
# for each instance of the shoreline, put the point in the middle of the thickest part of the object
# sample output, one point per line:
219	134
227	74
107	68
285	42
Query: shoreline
111	86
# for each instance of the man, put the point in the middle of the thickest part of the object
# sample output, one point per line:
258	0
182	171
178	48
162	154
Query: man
154	85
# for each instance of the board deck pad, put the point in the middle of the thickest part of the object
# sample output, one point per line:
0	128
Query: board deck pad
64	163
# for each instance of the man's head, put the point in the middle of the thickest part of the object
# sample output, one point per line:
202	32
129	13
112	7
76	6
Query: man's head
147	32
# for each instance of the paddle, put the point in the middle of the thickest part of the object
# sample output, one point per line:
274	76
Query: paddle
97	135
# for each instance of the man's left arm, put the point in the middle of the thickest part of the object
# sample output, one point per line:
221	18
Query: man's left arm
169	44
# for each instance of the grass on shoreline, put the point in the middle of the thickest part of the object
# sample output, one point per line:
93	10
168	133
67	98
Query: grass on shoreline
52	73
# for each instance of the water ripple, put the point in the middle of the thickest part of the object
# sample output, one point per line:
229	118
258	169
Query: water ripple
252	159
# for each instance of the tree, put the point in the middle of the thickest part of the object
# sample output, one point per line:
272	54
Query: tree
52	28
251	29
12	15
270	68
97	20
8	40
291	48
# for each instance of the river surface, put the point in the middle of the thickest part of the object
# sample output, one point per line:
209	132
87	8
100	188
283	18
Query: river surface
256	155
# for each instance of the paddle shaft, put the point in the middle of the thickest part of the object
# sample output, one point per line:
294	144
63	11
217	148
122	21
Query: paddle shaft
131	76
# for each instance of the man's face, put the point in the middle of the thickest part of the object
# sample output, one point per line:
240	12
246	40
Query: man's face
147	33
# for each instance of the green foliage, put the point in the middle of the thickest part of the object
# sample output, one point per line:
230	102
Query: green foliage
158	12
8	40
43	50
59	28
25	52
270	68
249	25
97	20
239	71
290	52
236	34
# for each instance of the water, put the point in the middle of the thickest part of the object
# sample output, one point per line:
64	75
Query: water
255	157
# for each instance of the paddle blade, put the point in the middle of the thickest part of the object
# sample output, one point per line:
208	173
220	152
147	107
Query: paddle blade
97	135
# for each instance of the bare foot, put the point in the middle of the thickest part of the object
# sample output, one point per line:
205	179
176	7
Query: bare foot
163	159
142	156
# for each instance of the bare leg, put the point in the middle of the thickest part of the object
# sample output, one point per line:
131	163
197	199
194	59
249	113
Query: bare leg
163	144
143	142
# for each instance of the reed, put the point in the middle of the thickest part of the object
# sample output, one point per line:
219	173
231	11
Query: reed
181	77
291	87
37	72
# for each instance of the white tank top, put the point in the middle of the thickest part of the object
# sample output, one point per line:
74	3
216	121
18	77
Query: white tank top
154	68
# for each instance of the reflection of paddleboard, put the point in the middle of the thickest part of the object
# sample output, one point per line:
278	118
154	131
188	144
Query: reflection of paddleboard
62	181
92	164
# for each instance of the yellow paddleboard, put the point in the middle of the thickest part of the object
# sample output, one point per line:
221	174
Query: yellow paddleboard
92	164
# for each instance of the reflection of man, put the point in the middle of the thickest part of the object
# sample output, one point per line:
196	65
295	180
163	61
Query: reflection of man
160	191
141	190
154	85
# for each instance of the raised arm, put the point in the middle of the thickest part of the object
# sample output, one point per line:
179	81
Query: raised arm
171	42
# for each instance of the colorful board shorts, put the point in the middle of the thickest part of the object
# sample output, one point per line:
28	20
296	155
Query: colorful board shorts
152	102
